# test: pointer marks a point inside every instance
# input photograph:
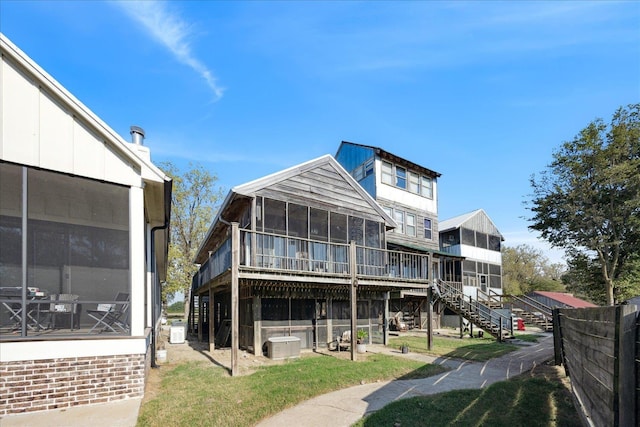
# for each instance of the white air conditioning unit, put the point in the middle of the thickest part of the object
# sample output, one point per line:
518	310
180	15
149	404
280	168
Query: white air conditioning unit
177	335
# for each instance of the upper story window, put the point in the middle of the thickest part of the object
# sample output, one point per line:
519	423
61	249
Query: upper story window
398	215
411	225
426	187
400	177
364	170
414	182
427	228
387	173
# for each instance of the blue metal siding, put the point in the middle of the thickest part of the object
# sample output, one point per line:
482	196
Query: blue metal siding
350	156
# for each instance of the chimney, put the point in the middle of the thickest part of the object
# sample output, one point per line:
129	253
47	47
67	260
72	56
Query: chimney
137	135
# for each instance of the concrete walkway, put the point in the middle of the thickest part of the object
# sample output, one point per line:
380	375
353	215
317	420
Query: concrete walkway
347	406
122	413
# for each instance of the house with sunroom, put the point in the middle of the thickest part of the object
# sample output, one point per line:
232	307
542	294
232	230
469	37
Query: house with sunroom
84	220
299	255
408	193
475	237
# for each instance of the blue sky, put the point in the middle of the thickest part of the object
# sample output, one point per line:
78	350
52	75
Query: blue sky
481	92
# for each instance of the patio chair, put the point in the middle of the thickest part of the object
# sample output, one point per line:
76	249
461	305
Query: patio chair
112	317
65	305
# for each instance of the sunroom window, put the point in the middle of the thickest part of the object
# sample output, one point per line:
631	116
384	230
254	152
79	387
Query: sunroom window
77	255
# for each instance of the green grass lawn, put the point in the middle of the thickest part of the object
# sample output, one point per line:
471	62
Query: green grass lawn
477	349
522	401
198	394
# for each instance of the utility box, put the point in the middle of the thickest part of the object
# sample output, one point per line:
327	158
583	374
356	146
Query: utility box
283	347
177	334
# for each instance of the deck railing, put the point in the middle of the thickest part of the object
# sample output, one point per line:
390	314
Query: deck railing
291	254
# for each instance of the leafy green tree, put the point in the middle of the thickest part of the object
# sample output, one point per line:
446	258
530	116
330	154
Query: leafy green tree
526	269
587	201
193	205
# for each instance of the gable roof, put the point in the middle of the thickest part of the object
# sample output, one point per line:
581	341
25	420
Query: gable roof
477	220
284	179
566	299
53	88
118	153
393	158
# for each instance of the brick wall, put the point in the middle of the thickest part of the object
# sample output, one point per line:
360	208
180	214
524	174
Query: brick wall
38	385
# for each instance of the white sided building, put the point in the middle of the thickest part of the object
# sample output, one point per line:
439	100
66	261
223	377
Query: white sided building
83	247
474	237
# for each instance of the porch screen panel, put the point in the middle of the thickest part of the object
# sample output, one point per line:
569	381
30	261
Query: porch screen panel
10	242
318	224
494	243
10	226
356	230
338	228
275	216
481	240
338	234
298	221
468	237
377	321
372	234
78	239
302	318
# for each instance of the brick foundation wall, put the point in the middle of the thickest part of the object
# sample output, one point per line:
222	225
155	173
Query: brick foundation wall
38	385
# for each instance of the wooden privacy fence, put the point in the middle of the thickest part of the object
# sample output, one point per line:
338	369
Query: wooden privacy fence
600	350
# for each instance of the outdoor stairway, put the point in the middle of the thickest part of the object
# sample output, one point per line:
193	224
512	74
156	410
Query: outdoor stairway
476	312
532	311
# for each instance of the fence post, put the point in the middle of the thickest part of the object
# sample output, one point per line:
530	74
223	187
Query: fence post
557	339
624	377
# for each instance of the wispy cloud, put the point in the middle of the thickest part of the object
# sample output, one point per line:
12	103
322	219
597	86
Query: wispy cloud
172	31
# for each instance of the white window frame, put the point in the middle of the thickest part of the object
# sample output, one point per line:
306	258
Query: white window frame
387	175
410	225
414	183
426	187
368	167
398	216
428	229
399	178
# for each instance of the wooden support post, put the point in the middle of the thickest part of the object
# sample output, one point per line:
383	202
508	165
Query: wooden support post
353	269
200	315
429	319
212	332
385	327
235	265
257	326
461	327
471	329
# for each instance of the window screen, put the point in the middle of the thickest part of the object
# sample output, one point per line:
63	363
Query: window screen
275	219
298	221
319	224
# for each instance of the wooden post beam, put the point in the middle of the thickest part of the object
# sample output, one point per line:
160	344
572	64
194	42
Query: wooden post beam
235	305
353	295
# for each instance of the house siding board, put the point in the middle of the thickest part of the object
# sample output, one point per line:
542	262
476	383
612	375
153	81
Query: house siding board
19	108
350	156
41	125
323	189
